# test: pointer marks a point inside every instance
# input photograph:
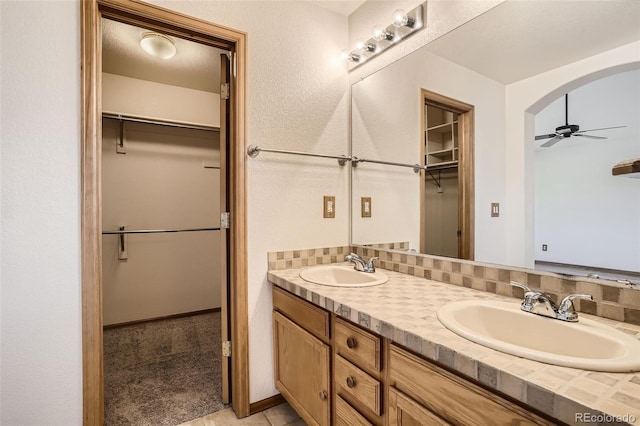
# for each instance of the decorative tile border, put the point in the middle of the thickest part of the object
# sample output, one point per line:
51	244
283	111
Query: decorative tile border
306	257
614	301
402	245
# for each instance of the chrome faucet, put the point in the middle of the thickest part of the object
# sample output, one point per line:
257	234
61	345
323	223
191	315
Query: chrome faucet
540	303
360	264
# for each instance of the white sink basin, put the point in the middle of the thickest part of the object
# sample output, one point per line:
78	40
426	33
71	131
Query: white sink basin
587	344
342	276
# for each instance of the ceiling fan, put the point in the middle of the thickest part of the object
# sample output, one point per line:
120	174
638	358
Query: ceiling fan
569	130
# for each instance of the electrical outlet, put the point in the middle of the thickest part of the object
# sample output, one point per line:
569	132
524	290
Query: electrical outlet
495	209
329	206
365	206
544	247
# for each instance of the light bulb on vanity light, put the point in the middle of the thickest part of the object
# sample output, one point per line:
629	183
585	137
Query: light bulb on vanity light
380	33
401	19
345	55
363	47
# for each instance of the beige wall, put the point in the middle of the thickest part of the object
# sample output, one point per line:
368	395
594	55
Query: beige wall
160	183
441	214
141	98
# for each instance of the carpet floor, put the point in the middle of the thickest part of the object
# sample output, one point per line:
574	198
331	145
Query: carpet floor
164	372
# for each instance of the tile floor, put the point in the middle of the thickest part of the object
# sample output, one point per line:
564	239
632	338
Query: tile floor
281	415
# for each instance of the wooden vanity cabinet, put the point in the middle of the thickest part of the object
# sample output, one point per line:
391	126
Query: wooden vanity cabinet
349	376
302	360
421	390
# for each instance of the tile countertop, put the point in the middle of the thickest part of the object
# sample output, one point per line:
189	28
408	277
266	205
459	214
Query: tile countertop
404	310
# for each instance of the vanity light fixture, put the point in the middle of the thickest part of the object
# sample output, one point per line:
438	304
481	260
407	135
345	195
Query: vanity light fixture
403	25
158	45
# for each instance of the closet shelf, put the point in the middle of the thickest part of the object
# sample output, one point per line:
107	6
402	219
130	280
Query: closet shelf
443	152
445	127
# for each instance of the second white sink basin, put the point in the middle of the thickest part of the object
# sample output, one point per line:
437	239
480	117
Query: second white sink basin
587	344
342	276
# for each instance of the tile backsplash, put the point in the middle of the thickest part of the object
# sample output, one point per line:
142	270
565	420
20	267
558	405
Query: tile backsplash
612	300
306	257
615	301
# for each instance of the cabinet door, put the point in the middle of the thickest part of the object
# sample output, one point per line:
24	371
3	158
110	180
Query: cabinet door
302	370
403	411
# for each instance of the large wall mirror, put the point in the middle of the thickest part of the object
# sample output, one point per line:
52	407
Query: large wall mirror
527	205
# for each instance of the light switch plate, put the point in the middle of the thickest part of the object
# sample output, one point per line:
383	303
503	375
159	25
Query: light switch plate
329	206
365	206
495	209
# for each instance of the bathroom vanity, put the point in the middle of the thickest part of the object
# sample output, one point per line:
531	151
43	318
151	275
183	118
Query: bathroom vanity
379	356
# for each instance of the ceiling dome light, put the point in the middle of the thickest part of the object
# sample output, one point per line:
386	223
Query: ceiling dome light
158	45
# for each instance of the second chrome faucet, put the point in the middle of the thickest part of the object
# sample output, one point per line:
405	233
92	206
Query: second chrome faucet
540	303
360	264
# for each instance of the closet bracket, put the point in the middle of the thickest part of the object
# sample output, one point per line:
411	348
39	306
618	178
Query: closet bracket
436	182
120	148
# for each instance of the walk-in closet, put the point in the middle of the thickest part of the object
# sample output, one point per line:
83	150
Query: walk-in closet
163	252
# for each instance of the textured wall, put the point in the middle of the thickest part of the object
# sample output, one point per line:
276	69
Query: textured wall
40	116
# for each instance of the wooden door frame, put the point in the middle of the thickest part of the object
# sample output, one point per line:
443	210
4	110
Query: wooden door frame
466	179
149	16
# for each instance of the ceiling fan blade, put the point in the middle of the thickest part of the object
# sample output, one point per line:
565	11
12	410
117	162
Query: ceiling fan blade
551	142
590	137
604	128
552	135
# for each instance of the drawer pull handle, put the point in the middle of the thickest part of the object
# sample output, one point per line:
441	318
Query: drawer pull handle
351	343
351	382
322	395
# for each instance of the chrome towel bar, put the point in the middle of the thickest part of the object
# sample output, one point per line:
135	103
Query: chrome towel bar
254	150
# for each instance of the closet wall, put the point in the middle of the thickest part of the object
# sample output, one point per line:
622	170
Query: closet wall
441	214
169	178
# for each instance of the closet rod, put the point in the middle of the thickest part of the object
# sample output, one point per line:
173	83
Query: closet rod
416	167
159	122
157	231
254	150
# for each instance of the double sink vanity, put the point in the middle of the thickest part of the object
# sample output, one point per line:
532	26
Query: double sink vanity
387	348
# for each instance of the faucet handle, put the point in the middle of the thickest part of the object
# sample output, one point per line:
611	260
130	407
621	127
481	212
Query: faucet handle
567	303
522	286
371	267
566	311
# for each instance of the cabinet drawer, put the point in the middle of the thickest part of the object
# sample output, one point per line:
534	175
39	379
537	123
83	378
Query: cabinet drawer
346	415
355	382
310	317
358	345
403	411
451	397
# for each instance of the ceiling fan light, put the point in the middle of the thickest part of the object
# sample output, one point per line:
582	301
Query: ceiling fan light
158	45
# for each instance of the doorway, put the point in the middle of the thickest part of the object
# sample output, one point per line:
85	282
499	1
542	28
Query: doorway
446	188
163	250
231	149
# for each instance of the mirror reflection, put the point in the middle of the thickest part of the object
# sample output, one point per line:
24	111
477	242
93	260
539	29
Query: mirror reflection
556	208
